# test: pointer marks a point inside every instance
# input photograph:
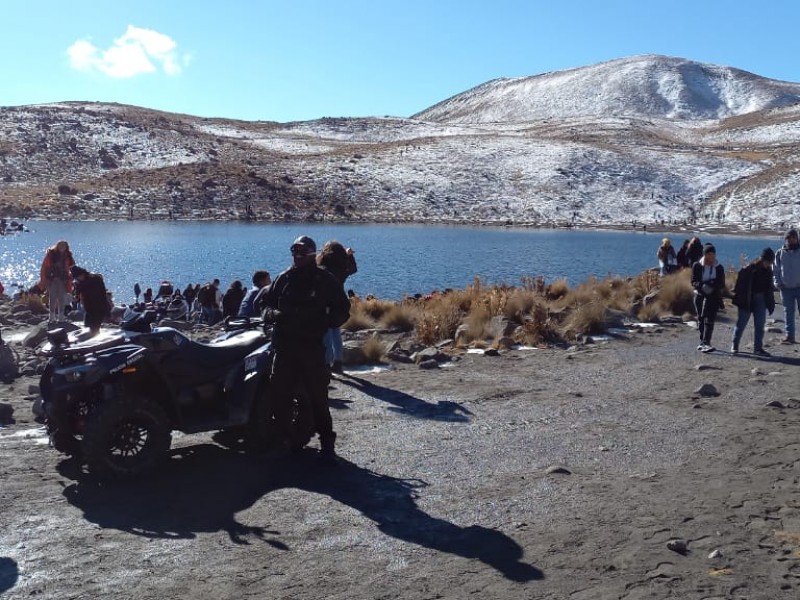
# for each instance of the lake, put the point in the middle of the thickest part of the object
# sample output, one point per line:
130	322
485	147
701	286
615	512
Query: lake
393	260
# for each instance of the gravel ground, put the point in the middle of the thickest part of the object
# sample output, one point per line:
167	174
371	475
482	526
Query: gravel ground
534	474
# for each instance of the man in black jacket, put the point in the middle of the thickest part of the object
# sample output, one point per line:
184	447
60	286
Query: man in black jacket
303	303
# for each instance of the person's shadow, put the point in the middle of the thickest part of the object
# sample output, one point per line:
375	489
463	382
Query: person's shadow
9	573
202	488
403	403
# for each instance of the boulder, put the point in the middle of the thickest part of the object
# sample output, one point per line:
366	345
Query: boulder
427	354
352	354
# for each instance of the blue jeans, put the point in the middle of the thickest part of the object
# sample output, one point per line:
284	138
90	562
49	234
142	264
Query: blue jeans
758	308
791	304
334	347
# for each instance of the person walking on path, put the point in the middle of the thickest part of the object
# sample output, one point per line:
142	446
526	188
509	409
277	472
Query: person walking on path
667	260
683	260
708	281
303	303
341	262
90	289
695	251
753	295
787	280
55	278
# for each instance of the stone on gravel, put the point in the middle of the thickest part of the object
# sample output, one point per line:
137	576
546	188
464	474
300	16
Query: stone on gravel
707	390
491	352
677	545
558	470
774	404
715	554
431	363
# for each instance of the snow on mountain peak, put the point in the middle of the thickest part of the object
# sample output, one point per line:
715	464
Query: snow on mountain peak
647	86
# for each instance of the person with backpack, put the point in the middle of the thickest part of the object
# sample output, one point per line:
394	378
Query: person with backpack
753	295
232	299
302	304
90	290
341	262
56	280
708	281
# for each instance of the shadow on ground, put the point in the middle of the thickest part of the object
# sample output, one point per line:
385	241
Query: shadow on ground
200	489
9	573
403	403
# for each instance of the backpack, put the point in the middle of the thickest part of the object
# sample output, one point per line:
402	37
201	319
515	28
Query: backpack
207	296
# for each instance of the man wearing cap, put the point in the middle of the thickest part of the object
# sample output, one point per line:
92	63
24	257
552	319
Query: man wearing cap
90	289
708	281
787	280
753	295
303	303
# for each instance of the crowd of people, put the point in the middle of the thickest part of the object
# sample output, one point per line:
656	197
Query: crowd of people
753	291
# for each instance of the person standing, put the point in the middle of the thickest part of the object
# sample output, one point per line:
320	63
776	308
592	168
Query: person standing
753	295
232	299
90	289
666	257
683	260
708	281
55	278
787	280
303	303
341	262
261	279
695	251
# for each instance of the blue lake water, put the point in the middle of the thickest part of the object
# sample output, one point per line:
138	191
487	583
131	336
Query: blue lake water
393	260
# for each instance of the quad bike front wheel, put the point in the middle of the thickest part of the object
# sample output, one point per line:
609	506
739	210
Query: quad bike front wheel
126	437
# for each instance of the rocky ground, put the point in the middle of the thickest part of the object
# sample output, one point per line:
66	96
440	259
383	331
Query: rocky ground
604	471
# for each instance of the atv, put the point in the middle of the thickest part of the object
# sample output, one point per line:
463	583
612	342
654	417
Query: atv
117	407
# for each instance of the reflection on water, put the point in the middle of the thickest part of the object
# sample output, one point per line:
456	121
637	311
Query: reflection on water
393	260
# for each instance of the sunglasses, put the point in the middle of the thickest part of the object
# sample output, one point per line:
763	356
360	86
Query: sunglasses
299	250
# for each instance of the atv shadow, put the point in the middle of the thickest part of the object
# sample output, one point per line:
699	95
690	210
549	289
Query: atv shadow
9	573
406	404
202	488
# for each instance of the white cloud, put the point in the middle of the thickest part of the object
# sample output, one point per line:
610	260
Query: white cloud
137	51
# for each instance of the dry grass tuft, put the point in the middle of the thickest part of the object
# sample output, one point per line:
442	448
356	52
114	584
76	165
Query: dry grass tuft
373	349
586	319
676	293
397	316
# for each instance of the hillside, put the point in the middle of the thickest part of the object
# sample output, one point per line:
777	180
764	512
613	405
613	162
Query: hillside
650	140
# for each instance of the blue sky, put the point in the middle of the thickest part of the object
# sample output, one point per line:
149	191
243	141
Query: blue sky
296	60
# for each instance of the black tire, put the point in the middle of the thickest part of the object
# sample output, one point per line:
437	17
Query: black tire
62	438
126	437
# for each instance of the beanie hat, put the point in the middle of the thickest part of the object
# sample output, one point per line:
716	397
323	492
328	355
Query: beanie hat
77	271
767	255
306	242
709	248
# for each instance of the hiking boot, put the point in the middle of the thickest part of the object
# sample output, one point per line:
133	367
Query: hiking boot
700	347
788	340
761	352
336	367
734	349
327	453
708	348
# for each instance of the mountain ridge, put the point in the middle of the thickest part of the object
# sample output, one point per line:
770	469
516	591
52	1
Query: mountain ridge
451	163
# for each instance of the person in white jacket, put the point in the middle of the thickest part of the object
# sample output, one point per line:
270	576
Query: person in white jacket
787	279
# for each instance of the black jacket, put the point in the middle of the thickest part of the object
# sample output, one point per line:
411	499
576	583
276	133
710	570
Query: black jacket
753	279
92	293
303	303
717	283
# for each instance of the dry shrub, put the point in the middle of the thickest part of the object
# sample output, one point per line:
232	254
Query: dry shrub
537	326
557	290
437	318
645	283
649	313
373	349
374	308
520	303
398	317
359	317
585	319
676	294
476	321
33	302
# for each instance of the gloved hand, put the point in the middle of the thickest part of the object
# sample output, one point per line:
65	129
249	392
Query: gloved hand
707	289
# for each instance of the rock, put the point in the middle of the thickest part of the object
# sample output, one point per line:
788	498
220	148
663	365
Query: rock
756	372
557	470
500	326
352	353
491	352
445	343
704	367
430	363
707	390
398	355
504	343
36	408
6	413
462	337
774	404
427	354
774	330
715	554
36	336
677	545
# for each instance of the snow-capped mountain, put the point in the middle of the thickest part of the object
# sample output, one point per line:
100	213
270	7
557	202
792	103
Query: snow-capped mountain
640	86
646	140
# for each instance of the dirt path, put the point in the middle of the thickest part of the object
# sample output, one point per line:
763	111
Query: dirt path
443	489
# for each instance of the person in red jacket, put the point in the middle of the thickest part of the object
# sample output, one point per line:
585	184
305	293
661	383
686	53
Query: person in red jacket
55	278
